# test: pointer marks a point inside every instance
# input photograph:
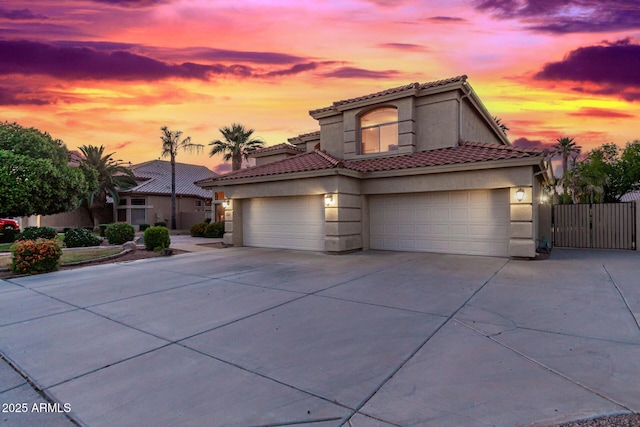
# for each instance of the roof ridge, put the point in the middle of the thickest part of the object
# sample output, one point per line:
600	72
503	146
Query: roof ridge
328	157
544	151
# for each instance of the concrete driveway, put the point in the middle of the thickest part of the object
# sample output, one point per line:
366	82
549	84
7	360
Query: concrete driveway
248	337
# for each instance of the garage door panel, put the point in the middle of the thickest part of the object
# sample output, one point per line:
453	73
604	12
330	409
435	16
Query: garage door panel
465	222
284	222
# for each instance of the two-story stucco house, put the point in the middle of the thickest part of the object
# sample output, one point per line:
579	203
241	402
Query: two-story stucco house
421	167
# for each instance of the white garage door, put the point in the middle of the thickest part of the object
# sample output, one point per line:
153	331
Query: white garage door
284	222
457	222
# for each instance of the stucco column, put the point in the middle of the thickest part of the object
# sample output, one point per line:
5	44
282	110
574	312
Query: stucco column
637	203
343	226
233	223
521	242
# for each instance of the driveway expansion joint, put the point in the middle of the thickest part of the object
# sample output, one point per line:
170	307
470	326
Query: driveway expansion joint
624	299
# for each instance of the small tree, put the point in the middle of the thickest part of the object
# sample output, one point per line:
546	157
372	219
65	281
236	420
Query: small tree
171	143
236	146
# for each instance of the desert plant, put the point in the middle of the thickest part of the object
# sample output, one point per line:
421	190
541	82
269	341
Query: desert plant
198	229
33	233
35	256
80	238
143	227
160	224
119	233
215	229
156	238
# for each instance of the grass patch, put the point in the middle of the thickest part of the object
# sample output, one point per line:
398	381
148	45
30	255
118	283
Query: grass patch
76	255
5	247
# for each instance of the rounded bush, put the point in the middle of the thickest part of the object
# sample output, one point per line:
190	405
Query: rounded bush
215	229
198	229
80	238
33	233
8	235
35	256
120	233
144	226
156	238
103	228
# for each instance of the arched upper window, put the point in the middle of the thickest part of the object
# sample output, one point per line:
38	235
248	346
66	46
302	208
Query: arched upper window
379	130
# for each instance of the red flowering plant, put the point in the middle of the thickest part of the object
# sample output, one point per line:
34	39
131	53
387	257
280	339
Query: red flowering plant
35	256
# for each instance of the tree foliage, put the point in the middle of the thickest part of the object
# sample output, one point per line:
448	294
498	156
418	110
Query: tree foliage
171	144
236	145
606	174
34	175
110	176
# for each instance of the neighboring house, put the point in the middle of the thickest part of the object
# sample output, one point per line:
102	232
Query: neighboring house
631	196
421	167
150	201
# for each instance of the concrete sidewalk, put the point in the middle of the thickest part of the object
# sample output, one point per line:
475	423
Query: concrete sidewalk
247	337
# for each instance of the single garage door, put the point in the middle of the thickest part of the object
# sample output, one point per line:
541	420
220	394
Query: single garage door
284	222
457	222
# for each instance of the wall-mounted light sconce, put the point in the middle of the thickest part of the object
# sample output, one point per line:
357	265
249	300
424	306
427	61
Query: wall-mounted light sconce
226	203
544	198
328	200
520	194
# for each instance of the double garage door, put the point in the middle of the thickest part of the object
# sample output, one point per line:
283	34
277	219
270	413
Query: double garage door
457	222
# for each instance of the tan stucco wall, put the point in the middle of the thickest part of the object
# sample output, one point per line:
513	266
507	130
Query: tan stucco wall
158	208
75	219
270	159
436	121
474	127
295	187
331	136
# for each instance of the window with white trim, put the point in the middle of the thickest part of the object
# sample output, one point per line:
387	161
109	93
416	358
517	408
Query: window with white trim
379	131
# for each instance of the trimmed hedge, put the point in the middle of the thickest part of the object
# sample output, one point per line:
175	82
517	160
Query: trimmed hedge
103	228
34	233
144	226
156	238
80	238
198	229
120	233
160	224
215	229
35	256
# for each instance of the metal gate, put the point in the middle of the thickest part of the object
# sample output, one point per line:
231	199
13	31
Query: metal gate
600	226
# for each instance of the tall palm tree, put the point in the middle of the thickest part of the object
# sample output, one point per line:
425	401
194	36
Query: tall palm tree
237	144
504	128
171	143
112	177
566	147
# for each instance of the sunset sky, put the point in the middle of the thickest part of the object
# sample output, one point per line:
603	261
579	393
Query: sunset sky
113	72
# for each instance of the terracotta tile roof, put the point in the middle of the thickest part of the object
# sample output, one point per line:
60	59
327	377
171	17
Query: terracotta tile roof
282	146
466	152
416	86
311	161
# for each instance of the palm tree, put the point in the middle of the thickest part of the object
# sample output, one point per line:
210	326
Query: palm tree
237	144
566	147
171	143
504	128
112	176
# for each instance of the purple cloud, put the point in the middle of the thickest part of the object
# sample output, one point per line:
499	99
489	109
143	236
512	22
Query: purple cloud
30	58
571	16
19	14
446	19
222	168
405	47
132	3
601	112
527	143
296	69
19	96
360	73
612	69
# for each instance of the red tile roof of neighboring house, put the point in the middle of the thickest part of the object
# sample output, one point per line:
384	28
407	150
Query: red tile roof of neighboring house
465	152
416	86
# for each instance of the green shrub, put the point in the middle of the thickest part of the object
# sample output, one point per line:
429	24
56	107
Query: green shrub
144	226
80	238
103	228
215	229
8	235
33	233
64	230
120	233
156	238
35	256
160	224
198	229
207	220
